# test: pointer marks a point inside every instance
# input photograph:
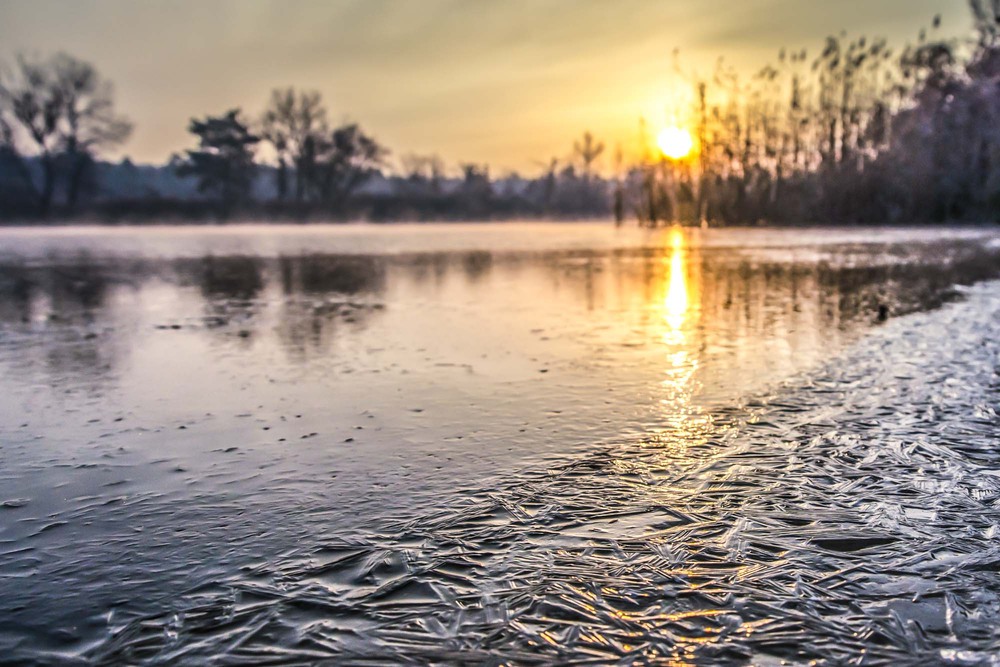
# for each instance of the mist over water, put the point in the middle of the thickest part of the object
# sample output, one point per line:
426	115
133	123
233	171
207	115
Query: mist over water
392	443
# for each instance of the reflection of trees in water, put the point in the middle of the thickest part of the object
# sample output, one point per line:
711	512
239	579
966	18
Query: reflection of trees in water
324	294
16	295
752	298
235	278
327	294
582	274
840	295
331	274
303	302
905	286
74	292
477	265
65	304
419	269
59	293
230	286
314	292
318	296
422	268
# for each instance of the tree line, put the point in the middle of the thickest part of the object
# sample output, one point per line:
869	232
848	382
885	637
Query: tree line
57	118
859	132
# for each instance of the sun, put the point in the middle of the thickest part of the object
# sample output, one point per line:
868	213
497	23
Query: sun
675	142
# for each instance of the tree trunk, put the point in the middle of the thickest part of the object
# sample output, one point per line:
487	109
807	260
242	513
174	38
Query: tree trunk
78	172
48	185
282	180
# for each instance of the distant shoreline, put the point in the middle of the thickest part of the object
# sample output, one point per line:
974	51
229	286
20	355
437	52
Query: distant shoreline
334	222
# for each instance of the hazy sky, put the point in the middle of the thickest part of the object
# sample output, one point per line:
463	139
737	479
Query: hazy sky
509	82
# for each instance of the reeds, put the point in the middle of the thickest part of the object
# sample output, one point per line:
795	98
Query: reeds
860	132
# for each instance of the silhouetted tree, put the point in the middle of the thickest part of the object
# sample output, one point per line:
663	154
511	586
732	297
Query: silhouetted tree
17	192
424	171
858	133
585	195
546	185
62	111
476	191
295	125
344	161
224	161
588	150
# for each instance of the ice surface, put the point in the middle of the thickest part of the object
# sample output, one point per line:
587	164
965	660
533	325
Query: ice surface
745	470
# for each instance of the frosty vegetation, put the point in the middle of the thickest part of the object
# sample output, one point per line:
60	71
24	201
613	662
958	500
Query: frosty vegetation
858	132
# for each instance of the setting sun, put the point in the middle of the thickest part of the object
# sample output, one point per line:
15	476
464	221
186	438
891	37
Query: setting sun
675	143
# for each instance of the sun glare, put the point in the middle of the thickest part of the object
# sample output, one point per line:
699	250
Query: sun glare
675	142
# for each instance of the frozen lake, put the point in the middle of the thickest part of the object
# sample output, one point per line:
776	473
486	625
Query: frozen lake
506	442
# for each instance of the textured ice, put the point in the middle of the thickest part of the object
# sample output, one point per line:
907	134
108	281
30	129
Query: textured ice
829	521
842	511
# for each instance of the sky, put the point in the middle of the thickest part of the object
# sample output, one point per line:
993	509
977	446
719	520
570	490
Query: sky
510	83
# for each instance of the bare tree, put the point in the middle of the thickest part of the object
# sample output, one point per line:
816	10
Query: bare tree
295	123
344	161
549	182
62	111
18	185
90	118
423	169
588	150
